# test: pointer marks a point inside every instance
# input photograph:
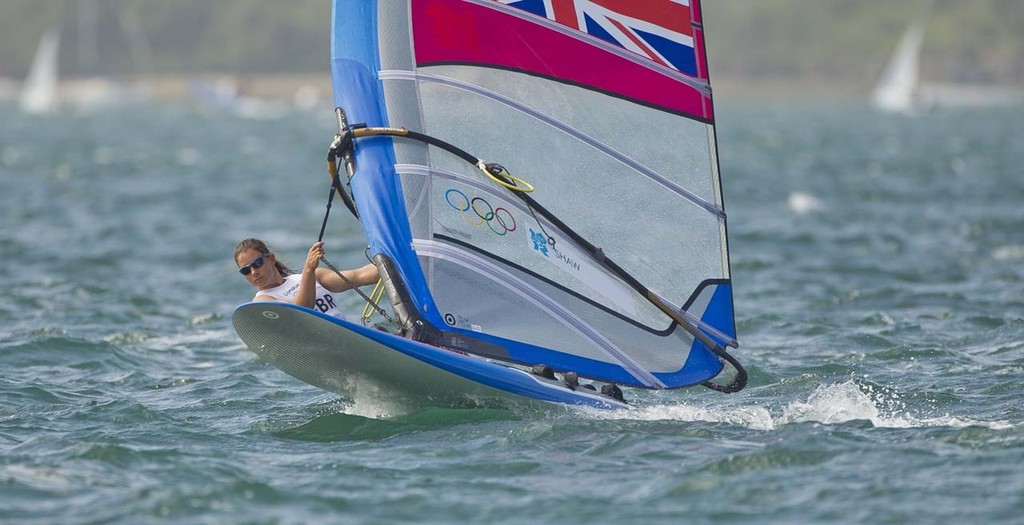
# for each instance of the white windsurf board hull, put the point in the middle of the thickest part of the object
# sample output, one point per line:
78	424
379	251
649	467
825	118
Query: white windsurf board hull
364	363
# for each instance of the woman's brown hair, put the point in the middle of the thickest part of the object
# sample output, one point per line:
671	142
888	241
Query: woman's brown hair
260	246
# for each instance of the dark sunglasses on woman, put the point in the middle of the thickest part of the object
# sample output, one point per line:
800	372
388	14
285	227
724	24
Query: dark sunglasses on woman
256	263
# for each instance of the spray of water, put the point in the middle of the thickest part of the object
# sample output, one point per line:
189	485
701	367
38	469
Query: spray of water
827	404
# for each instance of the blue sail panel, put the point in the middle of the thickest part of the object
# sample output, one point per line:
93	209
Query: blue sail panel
357	89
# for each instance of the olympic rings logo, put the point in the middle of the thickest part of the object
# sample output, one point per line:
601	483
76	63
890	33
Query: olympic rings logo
477	211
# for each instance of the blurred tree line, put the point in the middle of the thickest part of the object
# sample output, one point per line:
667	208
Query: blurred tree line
168	36
845	40
976	41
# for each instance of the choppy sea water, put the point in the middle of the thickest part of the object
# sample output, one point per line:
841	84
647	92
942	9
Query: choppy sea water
878	267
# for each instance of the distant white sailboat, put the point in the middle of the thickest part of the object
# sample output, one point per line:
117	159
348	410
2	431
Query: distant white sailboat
46	88
39	92
901	90
896	92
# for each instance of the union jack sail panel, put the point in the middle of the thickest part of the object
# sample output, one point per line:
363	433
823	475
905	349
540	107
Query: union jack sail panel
660	30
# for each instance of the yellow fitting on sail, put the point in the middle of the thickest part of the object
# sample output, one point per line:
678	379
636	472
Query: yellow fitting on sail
375	297
506	179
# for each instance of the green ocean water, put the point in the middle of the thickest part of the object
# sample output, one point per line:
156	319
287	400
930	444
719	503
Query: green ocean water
878	267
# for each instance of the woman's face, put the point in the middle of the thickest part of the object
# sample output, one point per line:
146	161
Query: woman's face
262	273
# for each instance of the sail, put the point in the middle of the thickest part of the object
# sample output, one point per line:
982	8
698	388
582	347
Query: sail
39	92
897	88
616	265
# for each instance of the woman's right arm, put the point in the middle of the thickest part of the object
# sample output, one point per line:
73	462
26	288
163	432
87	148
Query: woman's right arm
307	287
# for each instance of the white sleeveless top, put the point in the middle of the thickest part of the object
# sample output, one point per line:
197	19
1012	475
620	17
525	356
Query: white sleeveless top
287	291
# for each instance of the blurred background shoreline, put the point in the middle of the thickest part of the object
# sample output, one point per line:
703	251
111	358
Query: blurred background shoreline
768	50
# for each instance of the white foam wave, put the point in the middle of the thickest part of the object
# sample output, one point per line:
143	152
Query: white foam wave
840	403
833	404
755	417
827	404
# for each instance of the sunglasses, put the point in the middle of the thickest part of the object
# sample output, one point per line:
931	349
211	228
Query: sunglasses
256	263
